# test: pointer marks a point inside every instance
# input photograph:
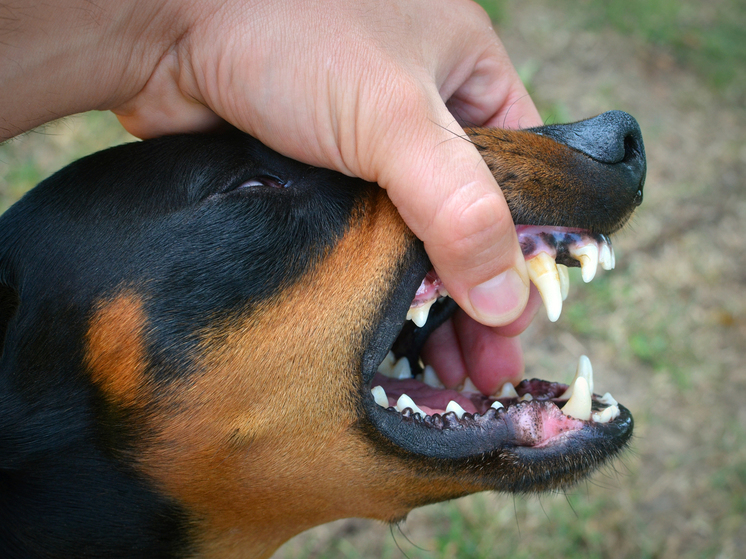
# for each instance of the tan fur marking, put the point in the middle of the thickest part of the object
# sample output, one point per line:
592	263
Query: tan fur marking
261	444
114	349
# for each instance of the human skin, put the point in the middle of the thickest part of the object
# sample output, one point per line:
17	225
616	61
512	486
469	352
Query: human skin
374	89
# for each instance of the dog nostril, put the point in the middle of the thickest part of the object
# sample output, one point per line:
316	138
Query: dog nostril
631	147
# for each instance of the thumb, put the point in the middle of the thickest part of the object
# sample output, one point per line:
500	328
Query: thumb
448	197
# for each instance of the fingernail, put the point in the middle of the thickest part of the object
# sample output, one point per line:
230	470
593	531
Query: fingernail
500	300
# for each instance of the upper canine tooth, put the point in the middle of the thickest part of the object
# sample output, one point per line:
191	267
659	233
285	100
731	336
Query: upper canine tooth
579	405
564	277
588	256
508	391
402	369
455	408
430	377
542	270
584	370
418	315
405	402
604	257
379	395
612	412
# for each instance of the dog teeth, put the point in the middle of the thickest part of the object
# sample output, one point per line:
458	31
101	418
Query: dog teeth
496	405
430	377
526	398
455	408
379	395
608	400
605	258
405	402
395	369
584	370
543	272
507	391
469	386
564	279
609	414
579	404
418	315
588	257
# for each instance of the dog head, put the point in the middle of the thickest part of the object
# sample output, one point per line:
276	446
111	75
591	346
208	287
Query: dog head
191	328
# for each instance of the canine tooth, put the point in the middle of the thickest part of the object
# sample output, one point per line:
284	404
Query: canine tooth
608	400
402	369
613	259
579	404
564	277
405	402
469	386
610	413
526	398
588	256
508	391
379	395
497	405
418	315
604	257
430	377
542	269
584	370
455	408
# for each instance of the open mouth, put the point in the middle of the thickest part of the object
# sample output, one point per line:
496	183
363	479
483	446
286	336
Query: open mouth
411	405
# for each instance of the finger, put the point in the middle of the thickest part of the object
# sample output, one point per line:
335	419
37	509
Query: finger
447	196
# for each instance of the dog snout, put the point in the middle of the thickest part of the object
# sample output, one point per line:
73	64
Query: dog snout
613	138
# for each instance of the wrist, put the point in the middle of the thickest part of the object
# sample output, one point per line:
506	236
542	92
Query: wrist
75	56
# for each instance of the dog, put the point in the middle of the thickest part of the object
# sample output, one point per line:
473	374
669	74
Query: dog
196	340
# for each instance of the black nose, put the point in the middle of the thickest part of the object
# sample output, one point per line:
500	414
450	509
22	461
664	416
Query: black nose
613	138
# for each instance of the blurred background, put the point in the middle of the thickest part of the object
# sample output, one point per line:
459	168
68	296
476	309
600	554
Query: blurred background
665	331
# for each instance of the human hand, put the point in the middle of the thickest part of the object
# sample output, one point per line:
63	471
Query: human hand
374	89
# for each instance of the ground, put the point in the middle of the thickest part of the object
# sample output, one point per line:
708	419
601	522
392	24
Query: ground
665	331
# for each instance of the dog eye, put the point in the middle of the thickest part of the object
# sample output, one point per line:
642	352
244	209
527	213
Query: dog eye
261	181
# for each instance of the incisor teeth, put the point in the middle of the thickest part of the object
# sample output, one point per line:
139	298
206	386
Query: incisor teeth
497	405
508	391
418	315
604	257
526	397
610	413
588	256
405	402
564	277
608	400
579	405
455	408
430	377
542	270
584	370
379	395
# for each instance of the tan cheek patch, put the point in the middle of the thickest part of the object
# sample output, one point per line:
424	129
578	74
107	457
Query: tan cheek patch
259	440
115	351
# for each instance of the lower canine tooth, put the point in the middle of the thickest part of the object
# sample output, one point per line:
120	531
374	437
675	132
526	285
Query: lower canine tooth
542	270
584	370
455	408
579	405
610	413
379	395
405	402
588	256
